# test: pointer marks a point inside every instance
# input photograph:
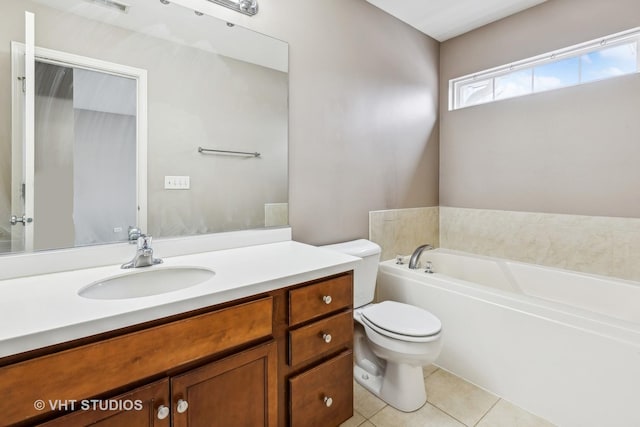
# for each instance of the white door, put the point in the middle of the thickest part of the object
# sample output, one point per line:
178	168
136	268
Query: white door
22	139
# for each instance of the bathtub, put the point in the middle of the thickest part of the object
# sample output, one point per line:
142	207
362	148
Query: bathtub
560	344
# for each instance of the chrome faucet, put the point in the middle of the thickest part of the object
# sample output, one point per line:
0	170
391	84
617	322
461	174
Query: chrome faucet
134	233
428	268
415	256
144	254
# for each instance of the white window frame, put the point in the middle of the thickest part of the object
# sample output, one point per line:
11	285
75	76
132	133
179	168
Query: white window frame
458	84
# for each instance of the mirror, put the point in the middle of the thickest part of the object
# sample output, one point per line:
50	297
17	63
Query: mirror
196	81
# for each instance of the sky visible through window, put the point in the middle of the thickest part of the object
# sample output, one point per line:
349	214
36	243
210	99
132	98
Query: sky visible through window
614	61
603	63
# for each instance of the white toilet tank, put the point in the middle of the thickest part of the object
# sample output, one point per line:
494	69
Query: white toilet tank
365	273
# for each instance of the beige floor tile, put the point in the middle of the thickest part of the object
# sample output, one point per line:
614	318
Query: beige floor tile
506	414
428	370
427	416
458	398
354	421
366	424
365	402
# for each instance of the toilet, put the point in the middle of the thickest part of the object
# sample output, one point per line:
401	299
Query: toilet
393	340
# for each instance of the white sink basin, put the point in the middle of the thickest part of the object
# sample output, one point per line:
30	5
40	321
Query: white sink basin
147	282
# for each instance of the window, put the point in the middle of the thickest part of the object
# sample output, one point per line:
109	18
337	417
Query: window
604	58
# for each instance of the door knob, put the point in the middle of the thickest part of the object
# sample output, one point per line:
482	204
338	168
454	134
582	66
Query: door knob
182	406
163	412
23	219
328	401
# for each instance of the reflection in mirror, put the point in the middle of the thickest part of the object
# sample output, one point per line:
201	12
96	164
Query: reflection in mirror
209	85
12	28
85	156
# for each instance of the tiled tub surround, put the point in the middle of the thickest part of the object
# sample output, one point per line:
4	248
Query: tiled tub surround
276	214
601	245
510	328
400	231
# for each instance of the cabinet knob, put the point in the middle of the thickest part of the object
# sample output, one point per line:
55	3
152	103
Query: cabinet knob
182	406
326	338
328	401
163	412
327	299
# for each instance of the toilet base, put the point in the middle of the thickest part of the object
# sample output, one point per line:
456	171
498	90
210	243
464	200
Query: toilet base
401	385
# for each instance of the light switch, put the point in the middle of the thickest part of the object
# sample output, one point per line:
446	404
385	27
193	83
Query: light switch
177	183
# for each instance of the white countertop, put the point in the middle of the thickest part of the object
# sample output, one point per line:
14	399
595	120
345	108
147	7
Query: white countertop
42	310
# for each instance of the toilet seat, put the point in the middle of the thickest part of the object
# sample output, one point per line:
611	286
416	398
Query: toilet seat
401	321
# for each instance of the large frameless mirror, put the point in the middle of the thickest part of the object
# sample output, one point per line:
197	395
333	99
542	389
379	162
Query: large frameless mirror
146	115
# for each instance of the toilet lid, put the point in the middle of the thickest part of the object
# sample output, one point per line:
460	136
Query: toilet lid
402	319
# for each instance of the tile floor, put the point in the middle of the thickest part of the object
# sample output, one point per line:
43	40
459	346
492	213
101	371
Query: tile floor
451	402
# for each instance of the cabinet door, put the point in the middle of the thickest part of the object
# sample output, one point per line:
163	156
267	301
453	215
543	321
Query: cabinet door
144	406
238	391
125	359
323	396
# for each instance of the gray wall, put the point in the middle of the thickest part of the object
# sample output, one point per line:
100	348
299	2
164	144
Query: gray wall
363	113
573	150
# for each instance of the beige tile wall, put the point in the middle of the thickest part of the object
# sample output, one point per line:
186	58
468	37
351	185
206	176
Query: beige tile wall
400	231
592	244
276	214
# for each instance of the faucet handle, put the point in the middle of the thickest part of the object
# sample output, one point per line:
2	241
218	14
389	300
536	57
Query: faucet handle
134	234
144	241
428	267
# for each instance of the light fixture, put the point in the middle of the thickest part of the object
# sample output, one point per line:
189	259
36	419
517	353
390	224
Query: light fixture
112	4
247	7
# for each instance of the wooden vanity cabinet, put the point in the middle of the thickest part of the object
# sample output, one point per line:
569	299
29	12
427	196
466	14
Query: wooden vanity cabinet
323	395
240	390
99	368
139	407
271	360
320	384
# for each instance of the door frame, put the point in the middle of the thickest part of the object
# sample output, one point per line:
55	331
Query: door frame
22	134
23	123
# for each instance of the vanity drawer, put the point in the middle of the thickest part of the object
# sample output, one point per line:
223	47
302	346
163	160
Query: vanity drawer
323	396
321	337
92	369
319	299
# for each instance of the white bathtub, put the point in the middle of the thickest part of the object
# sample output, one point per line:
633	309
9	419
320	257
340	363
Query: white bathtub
560	344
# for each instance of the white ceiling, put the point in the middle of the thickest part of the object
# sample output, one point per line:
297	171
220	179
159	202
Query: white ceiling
445	19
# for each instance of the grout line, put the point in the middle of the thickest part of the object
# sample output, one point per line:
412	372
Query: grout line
375	413
437	369
368	419
488	410
447	414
